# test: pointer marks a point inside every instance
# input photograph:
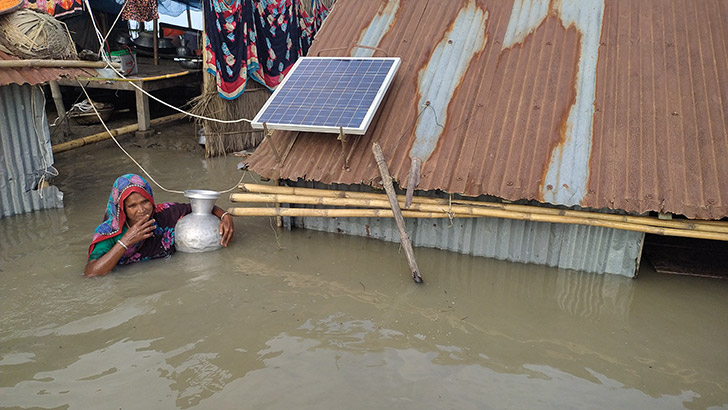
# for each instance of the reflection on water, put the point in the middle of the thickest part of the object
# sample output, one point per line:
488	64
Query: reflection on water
302	319
593	296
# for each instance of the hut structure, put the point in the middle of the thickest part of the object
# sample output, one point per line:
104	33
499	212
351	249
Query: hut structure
26	157
616	107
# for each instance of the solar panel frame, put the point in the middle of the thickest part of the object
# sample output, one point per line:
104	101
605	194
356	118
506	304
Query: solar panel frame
290	106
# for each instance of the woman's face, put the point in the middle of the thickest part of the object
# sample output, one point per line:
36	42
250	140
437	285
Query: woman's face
137	208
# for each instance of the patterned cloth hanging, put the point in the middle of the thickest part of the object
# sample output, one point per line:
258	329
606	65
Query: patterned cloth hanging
140	10
260	39
59	9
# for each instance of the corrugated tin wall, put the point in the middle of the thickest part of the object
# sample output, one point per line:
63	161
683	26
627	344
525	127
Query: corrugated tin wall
25	151
578	247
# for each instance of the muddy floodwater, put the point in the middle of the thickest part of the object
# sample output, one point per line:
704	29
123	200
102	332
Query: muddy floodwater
310	320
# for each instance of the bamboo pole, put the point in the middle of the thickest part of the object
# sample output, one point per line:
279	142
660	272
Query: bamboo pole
55	64
708	226
399	219
279	220
60	109
331	213
133	79
155	34
482	212
101	136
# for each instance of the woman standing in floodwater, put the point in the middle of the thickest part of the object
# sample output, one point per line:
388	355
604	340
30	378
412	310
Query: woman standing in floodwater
135	229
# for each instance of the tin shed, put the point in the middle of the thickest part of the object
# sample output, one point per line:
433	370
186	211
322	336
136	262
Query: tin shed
614	107
26	157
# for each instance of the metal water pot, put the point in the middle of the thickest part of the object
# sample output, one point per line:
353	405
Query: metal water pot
200	230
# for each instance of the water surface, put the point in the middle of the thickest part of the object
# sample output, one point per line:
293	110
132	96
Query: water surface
310	320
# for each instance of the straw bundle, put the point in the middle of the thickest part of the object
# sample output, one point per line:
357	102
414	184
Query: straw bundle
221	138
30	33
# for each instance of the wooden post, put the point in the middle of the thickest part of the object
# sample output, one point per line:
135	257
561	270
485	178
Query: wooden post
392	195
414	180
58	101
155	34
279	218
143	113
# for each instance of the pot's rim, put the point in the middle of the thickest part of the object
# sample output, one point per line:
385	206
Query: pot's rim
201	194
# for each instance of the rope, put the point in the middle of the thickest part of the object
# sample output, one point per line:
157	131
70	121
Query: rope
102	40
45	155
101	47
107	59
151	178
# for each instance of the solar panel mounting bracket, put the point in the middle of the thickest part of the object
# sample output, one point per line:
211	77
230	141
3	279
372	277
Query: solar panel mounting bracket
342	135
267	135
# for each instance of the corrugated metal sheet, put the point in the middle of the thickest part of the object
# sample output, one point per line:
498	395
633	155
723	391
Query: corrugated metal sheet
35	76
661	127
25	151
618	105
582	248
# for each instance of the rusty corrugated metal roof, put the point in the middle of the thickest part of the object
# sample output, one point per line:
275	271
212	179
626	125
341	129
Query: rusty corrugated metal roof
39	75
619	105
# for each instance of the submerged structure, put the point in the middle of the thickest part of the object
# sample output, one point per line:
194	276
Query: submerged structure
614	107
26	158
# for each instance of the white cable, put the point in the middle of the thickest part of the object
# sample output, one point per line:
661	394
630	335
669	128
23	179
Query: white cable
45	155
108	63
107	59
99	37
135	161
101	48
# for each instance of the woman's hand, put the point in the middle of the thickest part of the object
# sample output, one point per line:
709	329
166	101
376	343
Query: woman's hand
138	232
227	228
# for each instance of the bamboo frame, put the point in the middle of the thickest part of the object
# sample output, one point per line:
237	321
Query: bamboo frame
708	226
101	136
332	213
55	64
134	79
584	218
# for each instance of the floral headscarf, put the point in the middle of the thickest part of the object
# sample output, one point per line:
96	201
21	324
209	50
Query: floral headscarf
115	216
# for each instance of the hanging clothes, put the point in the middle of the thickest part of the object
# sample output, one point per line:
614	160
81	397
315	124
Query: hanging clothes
226	31
59	9
260	39
140	10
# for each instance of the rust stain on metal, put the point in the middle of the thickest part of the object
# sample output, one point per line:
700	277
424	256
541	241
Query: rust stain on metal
465	39
380	25
557	148
649	113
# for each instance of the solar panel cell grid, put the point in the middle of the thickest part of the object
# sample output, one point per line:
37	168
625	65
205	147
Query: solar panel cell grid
323	94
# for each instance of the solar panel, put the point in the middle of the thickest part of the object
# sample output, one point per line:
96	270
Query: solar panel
321	94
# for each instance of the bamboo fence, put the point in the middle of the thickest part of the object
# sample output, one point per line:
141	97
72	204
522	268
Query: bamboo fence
423	207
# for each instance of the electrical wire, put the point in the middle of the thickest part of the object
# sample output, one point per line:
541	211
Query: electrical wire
151	178
46	156
107	60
